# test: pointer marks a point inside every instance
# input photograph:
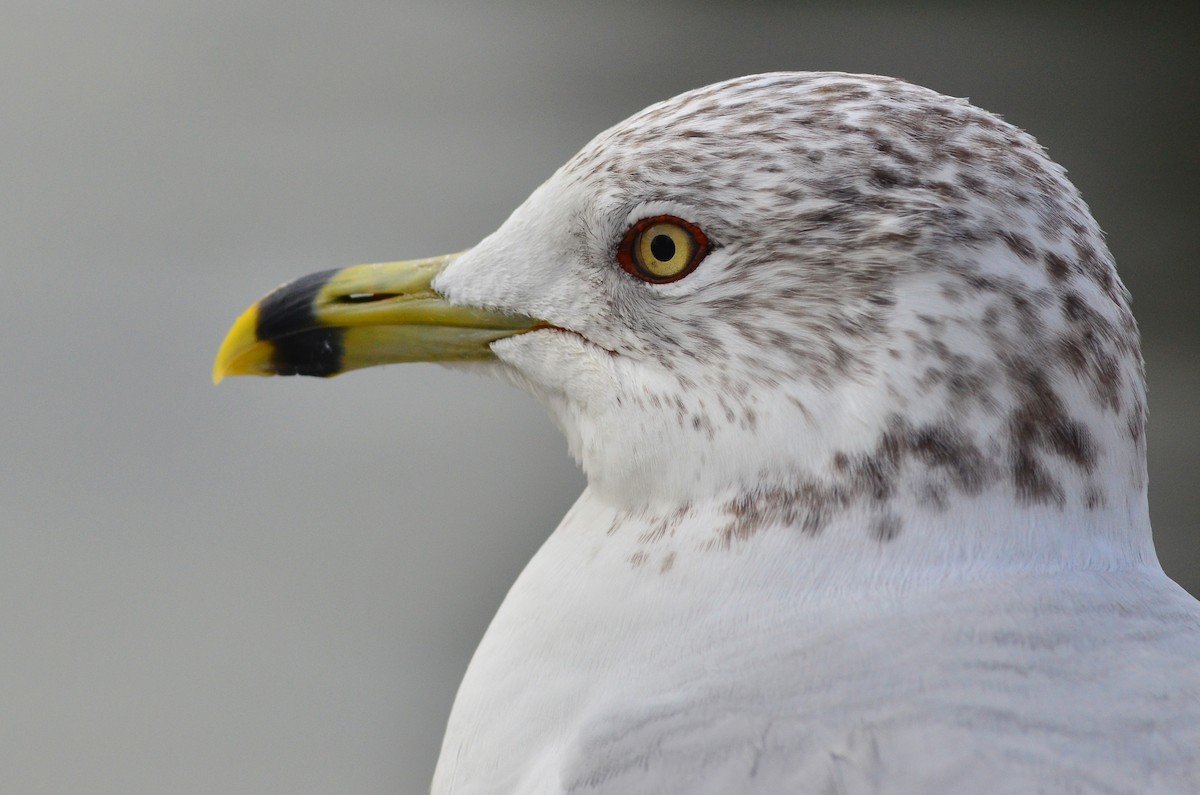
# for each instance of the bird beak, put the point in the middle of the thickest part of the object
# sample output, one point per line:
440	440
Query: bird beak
333	321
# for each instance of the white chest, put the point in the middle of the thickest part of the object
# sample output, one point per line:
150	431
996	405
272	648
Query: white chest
614	667
597	620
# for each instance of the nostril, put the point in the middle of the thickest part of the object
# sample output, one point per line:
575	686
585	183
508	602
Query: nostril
365	298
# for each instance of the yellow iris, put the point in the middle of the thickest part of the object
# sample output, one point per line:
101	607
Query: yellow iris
665	250
662	249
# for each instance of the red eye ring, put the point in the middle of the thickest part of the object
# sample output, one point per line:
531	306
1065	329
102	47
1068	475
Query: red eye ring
639	258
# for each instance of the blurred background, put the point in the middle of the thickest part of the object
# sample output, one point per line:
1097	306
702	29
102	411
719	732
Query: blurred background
275	586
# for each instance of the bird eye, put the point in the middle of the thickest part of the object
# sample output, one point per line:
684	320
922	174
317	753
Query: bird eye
662	249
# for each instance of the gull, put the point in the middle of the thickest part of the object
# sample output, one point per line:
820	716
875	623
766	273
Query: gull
860	401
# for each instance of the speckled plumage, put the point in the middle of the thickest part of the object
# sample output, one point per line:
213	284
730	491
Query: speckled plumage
906	373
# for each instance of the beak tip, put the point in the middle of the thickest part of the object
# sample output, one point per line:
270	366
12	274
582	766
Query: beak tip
241	352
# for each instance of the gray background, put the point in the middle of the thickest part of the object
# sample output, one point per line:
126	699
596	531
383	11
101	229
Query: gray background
275	586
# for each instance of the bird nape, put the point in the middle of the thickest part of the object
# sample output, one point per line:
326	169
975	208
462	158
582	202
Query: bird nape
860	401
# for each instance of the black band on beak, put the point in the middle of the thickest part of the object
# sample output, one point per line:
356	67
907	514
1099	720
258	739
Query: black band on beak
287	319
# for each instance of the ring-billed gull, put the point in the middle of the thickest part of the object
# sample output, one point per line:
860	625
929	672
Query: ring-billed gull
860	402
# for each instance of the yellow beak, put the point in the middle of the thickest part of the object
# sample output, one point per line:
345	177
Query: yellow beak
330	322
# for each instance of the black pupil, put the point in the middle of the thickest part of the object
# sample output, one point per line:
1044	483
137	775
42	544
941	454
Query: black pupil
663	248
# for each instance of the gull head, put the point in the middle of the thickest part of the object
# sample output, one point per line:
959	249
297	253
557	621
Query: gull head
809	294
